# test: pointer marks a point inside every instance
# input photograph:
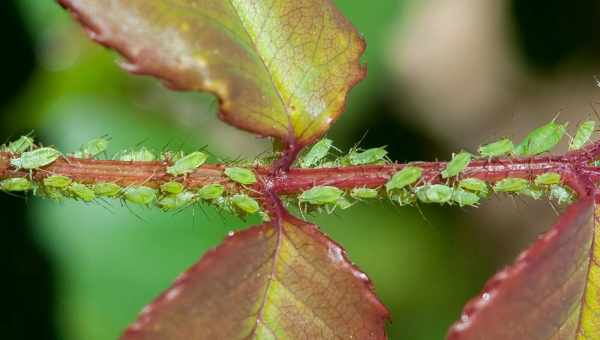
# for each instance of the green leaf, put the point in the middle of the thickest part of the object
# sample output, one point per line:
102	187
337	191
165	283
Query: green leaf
551	292
273	281
280	68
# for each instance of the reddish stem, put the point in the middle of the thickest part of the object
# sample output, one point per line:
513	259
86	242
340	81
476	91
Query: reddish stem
574	168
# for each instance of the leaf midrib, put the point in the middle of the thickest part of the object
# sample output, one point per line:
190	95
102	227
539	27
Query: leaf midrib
264	64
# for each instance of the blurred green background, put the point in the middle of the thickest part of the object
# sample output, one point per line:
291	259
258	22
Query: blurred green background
443	75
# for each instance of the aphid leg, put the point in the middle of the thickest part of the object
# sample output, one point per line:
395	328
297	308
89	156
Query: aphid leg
124	202
554	208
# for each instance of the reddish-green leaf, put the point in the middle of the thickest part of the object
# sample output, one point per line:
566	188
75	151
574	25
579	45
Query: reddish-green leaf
551	292
280	68
268	282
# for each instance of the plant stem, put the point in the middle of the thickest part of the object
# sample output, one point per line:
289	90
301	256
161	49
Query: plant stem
574	168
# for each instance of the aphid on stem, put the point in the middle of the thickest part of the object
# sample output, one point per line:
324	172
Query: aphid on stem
16	184
585	130
187	164
139	155
405	177
511	185
211	191
458	163
139	195
317	152
24	143
172	188
499	148
35	159
364	193
245	204
92	148
107	189
241	175
82	192
542	139
434	193
475	185
176	202
57	181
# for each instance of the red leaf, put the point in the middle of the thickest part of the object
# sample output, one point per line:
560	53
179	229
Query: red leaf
280	68
550	291
281	282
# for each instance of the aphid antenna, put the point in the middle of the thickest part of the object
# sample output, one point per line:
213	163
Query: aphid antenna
422	213
560	111
219	212
181	209
104	203
141	143
22	195
335	148
362	138
554	208
66	158
124	202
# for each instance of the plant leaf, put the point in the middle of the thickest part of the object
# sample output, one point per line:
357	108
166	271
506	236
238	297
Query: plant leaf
279	68
551	292
286	281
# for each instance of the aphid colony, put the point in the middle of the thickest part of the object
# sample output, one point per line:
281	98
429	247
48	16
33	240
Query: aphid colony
172	195
405	187
538	141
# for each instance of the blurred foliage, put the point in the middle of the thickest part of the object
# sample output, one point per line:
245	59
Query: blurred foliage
108	261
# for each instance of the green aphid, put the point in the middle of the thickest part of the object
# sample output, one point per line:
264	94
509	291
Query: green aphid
343	203
542	139
35	159
548	178
172	188
561	194
22	144
211	191
187	164
583	134
496	149
241	175
321	195
107	189
140	155
16	184
364	193
370	156
316	153
458	163
93	148
403	197
465	198
139	195
245	203
533	191
436	193
224	204
82	192
53	193
407	176
511	185
57	181
175	202
475	185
